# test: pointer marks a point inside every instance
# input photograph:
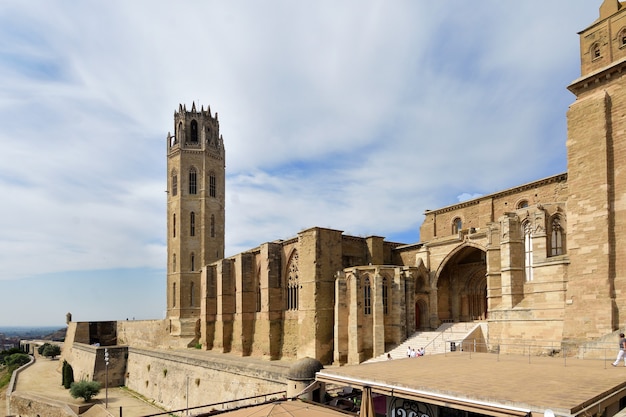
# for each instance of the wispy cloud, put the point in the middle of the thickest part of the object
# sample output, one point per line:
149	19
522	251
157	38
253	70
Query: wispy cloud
356	115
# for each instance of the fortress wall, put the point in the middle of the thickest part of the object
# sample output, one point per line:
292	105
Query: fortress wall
143	333
167	378
83	360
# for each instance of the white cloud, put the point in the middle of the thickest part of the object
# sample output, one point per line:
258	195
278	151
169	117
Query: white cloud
357	115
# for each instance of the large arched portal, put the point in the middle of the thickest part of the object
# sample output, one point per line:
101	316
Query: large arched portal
462	286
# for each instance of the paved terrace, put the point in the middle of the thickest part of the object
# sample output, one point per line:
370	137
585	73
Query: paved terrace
491	383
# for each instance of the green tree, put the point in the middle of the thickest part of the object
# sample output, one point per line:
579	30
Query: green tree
85	389
41	348
16	360
51	351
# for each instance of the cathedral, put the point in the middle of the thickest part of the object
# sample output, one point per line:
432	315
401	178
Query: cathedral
540	261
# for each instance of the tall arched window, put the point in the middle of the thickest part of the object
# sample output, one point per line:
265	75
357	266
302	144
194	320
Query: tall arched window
174	225
193	178
192	224
457	225
212	185
556	237
194	132
212	225
367	296
595	51
622	38
293	282
528	250
174	263
257	279
174	183
192	294
385	295
192	261
174	295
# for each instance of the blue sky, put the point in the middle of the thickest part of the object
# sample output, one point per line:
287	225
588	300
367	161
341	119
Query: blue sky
355	115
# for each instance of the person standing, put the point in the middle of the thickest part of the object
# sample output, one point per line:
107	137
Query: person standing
622	349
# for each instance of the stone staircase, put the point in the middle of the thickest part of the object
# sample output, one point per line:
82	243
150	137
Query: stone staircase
434	342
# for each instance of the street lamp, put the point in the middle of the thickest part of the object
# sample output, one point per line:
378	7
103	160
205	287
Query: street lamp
106	384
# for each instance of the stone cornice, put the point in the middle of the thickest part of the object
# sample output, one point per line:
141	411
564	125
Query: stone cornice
597	77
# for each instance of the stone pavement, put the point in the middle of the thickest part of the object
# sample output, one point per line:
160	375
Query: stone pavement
43	379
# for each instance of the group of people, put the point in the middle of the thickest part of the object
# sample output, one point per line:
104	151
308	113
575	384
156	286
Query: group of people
412	353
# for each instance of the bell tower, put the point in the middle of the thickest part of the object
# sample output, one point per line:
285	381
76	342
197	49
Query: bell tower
195	211
596	209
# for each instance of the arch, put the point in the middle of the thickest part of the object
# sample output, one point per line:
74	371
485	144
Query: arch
212	184
523	203
621	37
193	180
257	280
457	225
174	182
293	282
461	285
421	314
367	295
527	234
179	132
556	235
454	252
594	51
193	134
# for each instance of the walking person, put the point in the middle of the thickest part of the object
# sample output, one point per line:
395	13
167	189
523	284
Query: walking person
622	349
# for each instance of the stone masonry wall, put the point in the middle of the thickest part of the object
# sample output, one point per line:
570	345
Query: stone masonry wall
176	379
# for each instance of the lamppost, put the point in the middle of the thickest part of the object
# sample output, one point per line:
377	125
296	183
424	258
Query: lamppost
106	384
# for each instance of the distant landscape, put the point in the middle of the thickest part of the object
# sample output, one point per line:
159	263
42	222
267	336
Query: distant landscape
30	332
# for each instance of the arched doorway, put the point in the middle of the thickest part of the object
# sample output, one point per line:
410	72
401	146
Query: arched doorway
462	286
417	316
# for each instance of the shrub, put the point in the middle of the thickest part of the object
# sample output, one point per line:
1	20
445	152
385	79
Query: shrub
8	352
16	360
68	375
85	389
52	351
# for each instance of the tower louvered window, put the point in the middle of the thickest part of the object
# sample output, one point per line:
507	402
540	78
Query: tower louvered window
194	132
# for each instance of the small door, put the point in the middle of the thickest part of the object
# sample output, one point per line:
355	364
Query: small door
418	320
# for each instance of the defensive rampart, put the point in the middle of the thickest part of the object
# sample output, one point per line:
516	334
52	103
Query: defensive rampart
181	378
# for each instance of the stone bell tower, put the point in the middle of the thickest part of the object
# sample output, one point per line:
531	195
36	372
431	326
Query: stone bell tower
195	212
596	205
